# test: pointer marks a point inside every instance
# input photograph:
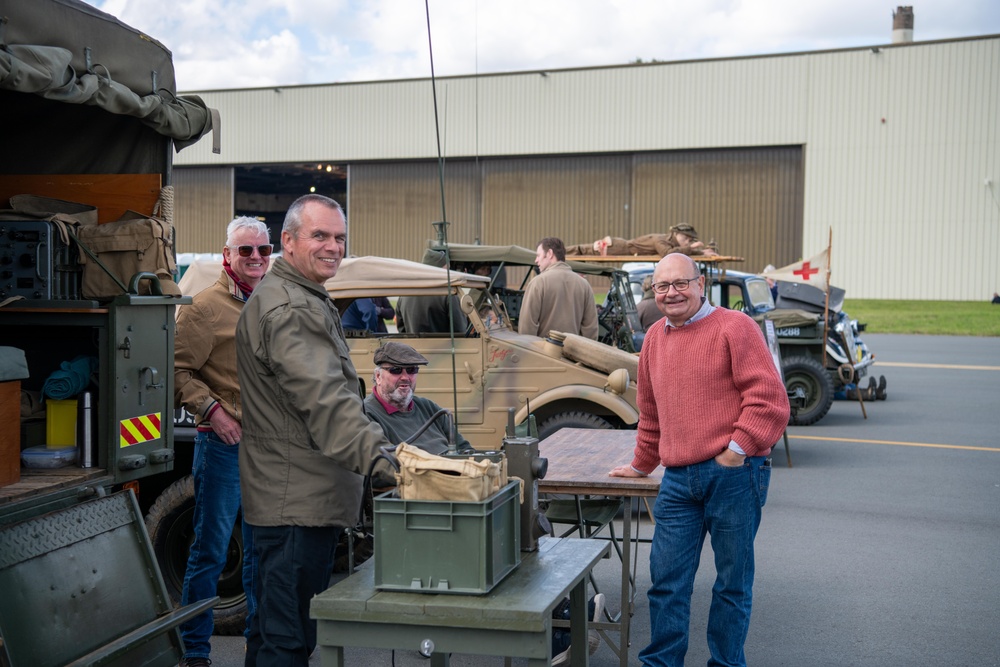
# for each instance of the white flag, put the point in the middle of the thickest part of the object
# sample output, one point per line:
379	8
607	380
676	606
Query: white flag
812	271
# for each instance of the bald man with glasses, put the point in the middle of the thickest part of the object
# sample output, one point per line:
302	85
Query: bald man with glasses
711	405
394	404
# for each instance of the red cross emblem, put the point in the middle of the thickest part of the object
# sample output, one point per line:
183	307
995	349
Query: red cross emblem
805	271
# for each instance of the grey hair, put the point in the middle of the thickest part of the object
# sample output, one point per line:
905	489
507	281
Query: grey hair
293	218
250	224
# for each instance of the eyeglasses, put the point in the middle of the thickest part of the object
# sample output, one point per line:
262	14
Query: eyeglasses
679	285
398	370
247	250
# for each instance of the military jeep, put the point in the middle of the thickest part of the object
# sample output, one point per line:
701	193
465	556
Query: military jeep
814	374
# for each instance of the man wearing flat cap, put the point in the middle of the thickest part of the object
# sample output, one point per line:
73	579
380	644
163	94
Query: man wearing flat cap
394	405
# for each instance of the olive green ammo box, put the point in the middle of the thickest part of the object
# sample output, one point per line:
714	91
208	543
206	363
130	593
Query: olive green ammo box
439	546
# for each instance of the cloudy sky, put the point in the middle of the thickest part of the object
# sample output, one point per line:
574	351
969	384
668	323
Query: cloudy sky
255	43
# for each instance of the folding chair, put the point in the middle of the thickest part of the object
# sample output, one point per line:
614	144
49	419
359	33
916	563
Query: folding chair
587	517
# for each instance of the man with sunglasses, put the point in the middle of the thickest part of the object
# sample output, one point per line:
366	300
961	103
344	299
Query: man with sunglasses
306	439
711	405
205	384
394	404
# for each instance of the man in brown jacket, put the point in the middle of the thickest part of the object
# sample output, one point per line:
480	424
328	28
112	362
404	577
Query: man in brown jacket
557	299
205	383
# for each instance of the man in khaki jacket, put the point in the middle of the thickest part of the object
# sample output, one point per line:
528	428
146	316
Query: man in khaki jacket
205	383
557	299
306	439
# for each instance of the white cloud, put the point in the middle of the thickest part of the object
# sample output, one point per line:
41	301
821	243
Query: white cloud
249	43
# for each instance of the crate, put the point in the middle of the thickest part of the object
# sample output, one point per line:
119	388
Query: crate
435	546
10	436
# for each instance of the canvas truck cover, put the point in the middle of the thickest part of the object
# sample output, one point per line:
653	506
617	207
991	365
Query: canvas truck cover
514	255
106	89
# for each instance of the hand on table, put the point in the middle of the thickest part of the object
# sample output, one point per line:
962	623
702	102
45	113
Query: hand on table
624	471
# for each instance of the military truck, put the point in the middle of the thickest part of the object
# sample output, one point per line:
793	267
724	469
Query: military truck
86	250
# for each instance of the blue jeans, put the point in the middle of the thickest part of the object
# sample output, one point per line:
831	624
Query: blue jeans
294	565
216	473
725	503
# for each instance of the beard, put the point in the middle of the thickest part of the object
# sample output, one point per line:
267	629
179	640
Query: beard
400	397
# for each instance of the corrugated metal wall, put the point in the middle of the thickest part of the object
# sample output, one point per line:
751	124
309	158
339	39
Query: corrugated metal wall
900	147
904	144
390	207
749	201
574	198
203	207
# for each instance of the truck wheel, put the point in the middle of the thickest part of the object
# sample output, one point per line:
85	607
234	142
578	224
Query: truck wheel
809	375
571	420
170	528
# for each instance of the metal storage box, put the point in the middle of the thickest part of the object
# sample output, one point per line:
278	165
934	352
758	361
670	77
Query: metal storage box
433	546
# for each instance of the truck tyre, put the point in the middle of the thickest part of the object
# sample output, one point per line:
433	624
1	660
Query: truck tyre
809	375
571	420
170	528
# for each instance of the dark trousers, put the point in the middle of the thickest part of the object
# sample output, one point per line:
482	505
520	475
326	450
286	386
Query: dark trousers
293	565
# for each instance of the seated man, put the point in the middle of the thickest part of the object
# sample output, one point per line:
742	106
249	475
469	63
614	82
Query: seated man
394	405
430	313
681	238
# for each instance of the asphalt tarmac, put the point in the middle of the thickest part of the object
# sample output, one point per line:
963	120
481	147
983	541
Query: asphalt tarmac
878	548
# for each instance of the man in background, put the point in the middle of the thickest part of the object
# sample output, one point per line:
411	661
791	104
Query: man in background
205	384
436	313
557	299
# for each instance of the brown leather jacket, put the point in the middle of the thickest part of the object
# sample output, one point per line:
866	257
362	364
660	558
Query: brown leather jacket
205	351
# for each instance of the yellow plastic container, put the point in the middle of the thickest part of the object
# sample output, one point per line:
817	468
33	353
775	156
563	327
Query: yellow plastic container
60	423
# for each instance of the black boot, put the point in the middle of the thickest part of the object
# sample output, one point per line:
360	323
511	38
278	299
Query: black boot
880	392
869	392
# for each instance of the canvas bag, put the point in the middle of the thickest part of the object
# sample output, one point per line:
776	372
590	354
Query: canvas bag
424	476
128	246
133	244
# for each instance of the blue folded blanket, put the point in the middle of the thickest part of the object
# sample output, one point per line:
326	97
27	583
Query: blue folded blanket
72	378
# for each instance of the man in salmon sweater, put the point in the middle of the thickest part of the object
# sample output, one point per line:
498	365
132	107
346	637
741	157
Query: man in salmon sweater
711	405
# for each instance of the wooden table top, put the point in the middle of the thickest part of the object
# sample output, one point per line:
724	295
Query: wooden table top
580	459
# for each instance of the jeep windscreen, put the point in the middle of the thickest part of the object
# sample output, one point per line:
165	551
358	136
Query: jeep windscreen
759	294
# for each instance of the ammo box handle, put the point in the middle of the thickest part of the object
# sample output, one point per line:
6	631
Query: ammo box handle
429	521
154	285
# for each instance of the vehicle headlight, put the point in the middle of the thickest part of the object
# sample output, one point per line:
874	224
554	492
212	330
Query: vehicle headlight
617	382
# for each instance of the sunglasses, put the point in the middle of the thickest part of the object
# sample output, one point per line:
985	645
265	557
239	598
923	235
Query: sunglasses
247	250
398	370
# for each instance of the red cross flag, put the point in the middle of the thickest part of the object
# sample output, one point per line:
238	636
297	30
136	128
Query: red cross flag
813	271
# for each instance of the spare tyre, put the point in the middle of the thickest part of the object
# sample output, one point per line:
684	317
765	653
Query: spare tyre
171	531
807	374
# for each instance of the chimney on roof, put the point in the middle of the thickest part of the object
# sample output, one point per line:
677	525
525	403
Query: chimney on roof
902	25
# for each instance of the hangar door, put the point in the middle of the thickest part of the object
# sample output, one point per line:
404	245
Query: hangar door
749	200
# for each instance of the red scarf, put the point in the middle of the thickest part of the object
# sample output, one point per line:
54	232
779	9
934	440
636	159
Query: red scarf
240	284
